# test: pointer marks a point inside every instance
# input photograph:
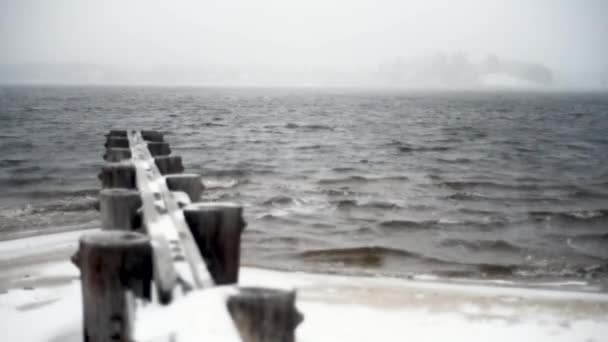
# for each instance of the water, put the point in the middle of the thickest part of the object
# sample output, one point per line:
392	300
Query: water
499	185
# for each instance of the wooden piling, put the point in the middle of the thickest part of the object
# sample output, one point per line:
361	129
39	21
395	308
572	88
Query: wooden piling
264	315
117	175
114	267
216	228
117	133
152	135
118	265
190	183
118	208
116	154
114	141
169	164
159	148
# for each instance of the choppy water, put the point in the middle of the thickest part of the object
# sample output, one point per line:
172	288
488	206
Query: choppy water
501	185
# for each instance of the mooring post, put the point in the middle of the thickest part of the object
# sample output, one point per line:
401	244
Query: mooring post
118	208
169	164
116	154
216	228
264	315
117	175
114	266
190	183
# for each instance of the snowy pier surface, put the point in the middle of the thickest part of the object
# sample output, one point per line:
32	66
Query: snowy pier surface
40	300
163	256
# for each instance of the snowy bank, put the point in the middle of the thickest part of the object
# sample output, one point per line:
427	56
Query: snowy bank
40	301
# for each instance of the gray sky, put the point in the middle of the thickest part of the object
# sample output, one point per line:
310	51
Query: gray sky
565	35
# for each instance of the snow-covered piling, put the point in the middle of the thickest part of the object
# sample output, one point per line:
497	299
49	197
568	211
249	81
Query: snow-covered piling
190	183
187	246
217	228
118	208
114	267
169	164
117	175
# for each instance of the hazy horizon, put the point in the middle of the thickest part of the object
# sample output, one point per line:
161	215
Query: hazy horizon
404	43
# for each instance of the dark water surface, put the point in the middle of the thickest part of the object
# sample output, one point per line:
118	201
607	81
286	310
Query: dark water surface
495	184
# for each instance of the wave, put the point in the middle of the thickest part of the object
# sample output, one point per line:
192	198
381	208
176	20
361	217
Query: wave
463	185
29	210
280	199
338	192
361	179
351	203
592	245
565	191
66	206
343	169
585	216
465	196
309	127
16	182
308	147
277	217
455	161
213	184
367	256
11	162
407	224
213	124
375	256
48	194
484	225
409	148
239	172
482	245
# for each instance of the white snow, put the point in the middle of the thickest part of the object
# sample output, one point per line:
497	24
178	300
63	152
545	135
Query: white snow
335	308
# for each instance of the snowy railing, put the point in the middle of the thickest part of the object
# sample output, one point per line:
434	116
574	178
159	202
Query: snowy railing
164	266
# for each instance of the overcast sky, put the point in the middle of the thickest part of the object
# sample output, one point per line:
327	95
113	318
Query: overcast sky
568	35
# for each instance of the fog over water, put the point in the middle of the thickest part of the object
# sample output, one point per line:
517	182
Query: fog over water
469	43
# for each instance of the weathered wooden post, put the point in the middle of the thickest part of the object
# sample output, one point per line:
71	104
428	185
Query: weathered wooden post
169	164
114	267
117	175
216	228
159	148
264	315
116	154
152	135
117	133
113	141
190	183
118	208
